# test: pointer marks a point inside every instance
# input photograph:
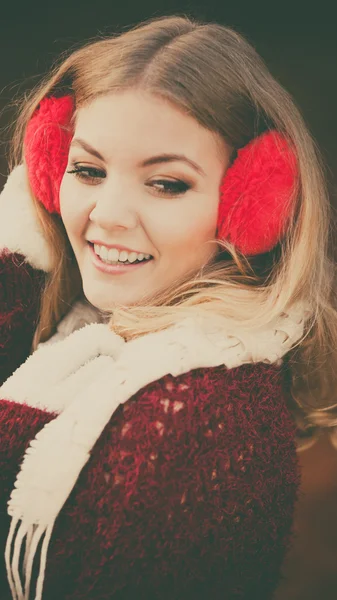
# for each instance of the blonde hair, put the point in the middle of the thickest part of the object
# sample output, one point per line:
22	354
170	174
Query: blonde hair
214	75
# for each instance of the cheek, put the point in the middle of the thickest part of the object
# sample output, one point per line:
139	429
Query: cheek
66	206
73	212
190	231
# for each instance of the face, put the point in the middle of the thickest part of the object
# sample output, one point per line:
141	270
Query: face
143	175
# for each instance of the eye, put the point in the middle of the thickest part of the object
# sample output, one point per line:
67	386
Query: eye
169	187
89	175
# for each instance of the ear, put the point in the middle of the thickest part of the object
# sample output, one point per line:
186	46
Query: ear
258	194
46	148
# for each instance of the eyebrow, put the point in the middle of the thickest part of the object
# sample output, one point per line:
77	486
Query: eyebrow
154	160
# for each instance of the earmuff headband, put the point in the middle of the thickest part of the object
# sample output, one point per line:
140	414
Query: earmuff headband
257	193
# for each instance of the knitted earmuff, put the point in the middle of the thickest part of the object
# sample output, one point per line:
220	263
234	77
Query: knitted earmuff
46	147
256	194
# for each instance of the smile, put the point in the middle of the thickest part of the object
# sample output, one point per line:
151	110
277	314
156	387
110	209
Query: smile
117	268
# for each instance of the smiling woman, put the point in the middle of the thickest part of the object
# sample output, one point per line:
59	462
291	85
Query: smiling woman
166	322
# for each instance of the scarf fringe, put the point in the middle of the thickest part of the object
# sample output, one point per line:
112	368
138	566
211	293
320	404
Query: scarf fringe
34	533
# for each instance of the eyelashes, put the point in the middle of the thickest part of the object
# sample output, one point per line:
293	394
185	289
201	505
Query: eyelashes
162	187
169	187
90	175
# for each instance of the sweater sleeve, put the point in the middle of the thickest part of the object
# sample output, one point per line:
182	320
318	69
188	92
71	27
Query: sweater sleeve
24	261
189	493
19	424
20	291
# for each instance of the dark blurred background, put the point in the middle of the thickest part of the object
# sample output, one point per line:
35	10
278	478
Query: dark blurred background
299	44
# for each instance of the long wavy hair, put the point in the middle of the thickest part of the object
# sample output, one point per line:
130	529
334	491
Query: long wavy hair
213	74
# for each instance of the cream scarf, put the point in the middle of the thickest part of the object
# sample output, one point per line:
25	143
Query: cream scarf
84	377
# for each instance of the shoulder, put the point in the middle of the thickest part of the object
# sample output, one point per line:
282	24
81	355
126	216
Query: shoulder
232	407
246	385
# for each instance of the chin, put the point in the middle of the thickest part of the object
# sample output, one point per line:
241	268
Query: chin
102	301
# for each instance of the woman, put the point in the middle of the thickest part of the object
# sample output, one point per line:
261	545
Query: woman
165	306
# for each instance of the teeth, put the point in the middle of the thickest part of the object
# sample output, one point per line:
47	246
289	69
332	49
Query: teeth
103	253
113	255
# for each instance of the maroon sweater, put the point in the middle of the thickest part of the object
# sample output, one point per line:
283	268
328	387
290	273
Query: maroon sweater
200	507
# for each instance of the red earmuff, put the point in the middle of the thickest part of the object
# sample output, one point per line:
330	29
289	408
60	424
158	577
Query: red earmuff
256	194
46	147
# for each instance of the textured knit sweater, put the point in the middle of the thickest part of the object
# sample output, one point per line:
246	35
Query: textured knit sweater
188	490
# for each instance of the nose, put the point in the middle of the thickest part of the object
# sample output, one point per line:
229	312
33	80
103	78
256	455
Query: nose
114	207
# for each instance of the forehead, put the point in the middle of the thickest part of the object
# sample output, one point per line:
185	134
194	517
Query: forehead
138	122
